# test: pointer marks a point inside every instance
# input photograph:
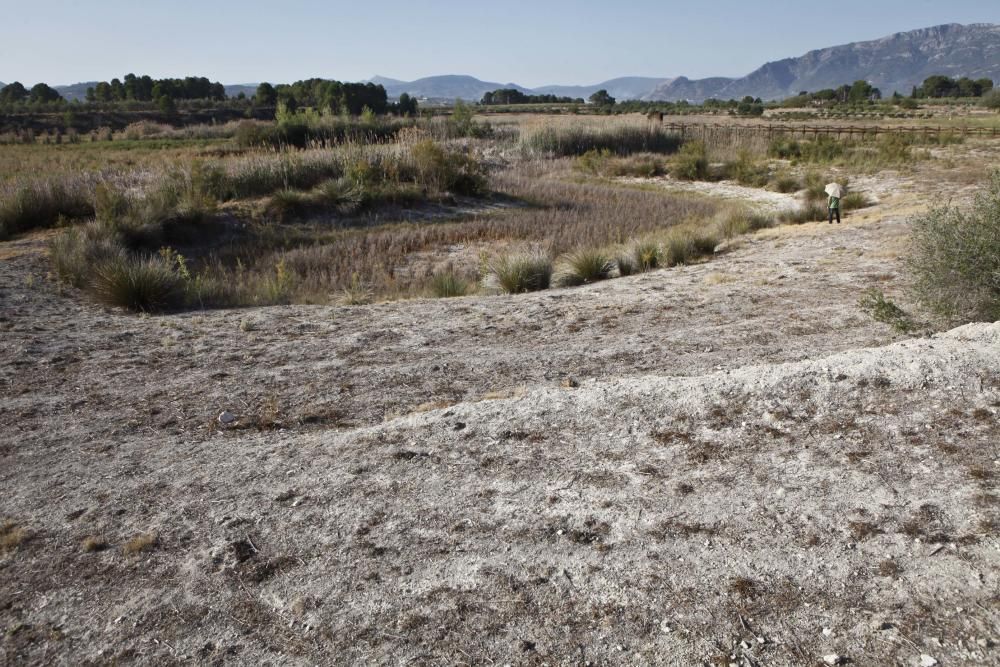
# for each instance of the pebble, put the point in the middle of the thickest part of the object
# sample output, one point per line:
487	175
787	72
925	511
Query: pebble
833	659
226	417
665	626
927	661
827	632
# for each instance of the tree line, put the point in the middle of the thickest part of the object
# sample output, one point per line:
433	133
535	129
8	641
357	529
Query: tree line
334	96
514	96
324	94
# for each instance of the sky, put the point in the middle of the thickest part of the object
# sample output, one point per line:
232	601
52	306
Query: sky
568	42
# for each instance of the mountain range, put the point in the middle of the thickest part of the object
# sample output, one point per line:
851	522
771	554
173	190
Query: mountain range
894	63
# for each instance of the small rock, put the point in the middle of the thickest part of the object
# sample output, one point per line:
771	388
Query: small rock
745	645
226	417
927	661
833	659
570	383
827	632
665	626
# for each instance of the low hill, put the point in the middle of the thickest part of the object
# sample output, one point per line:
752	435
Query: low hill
622	88
449	86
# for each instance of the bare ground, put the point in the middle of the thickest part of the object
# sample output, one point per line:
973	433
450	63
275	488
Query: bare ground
714	464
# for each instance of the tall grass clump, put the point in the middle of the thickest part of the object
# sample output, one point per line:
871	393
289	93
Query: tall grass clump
810	212
621	140
516	274
741	221
139	284
585	265
954	258
691	163
448	284
42	204
747	171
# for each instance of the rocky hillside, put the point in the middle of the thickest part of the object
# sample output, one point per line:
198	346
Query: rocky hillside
893	63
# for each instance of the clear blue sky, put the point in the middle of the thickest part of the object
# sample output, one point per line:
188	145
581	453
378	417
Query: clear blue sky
527	42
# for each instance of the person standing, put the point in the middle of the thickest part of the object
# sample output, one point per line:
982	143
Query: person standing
835	191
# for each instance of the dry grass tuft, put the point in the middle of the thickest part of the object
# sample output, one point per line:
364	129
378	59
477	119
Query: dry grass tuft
94	543
12	536
140	543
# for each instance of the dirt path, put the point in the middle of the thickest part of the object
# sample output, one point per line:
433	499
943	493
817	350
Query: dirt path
645	517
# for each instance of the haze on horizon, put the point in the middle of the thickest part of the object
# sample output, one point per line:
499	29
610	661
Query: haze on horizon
529	43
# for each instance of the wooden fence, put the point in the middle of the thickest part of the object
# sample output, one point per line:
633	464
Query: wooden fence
848	131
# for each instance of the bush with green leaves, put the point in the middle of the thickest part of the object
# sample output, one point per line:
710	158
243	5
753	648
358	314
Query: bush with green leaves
691	162
954	258
516	274
747	171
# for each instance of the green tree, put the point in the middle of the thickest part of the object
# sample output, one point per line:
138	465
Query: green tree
265	95
166	104
602	99
41	92
14	92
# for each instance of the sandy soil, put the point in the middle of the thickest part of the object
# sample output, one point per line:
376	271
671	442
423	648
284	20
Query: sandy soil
725	463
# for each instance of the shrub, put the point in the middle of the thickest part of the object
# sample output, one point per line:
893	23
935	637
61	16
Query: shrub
853	201
808	213
137	284
286	204
787	184
626	265
447	172
955	258
704	242
42	204
76	252
448	284
691	163
678	248
357	293
647	255
742	221
881	309
784	148
748	172
585	266
516	274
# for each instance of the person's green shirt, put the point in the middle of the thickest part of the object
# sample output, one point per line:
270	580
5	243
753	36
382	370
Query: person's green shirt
834	202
